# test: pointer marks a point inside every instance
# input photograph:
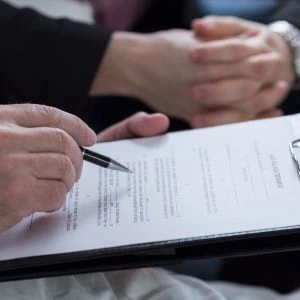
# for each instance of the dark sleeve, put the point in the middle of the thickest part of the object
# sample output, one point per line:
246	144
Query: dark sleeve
289	11
47	61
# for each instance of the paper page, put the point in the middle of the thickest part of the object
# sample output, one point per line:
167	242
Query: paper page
197	183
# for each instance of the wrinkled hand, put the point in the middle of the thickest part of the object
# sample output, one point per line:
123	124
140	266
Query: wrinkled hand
153	68
140	124
156	69
39	159
258	65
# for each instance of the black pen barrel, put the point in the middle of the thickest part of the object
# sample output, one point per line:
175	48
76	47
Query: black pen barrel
96	158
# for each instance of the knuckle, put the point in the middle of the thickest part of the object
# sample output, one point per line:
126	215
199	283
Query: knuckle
258	105
248	88
278	61
205	52
237	49
66	171
51	114
264	48
264	101
212	72
259	70
205	93
63	164
276	97
79	165
8	111
6	135
58	195
28	107
247	105
78	124
61	139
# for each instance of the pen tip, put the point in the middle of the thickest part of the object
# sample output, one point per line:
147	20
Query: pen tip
127	170
114	165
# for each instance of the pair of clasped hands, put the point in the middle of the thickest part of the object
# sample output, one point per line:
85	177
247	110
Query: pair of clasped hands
250	71
240	71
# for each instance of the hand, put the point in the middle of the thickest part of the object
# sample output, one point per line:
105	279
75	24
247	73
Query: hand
138	125
260	60
155	68
230	115
39	159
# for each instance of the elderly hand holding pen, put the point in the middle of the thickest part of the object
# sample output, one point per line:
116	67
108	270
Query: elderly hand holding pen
40	159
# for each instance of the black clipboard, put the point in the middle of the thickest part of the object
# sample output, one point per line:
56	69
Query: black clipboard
235	244
152	254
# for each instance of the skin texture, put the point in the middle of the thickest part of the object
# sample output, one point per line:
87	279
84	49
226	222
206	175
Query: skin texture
261	61
154	68
140	124
223	70
40	159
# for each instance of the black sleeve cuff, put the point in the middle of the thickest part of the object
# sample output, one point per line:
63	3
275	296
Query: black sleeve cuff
48	61
288	11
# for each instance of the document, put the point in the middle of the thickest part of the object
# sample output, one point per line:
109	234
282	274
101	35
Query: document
220	181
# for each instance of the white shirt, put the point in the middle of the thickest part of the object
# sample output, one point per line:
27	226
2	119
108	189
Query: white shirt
139	284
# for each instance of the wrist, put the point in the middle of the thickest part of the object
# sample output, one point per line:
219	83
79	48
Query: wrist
119	73
286	52
291	35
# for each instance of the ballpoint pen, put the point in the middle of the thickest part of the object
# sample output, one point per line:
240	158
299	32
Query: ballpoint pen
103	161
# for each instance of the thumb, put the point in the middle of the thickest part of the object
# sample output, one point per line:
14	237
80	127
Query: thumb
216	27
138	125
